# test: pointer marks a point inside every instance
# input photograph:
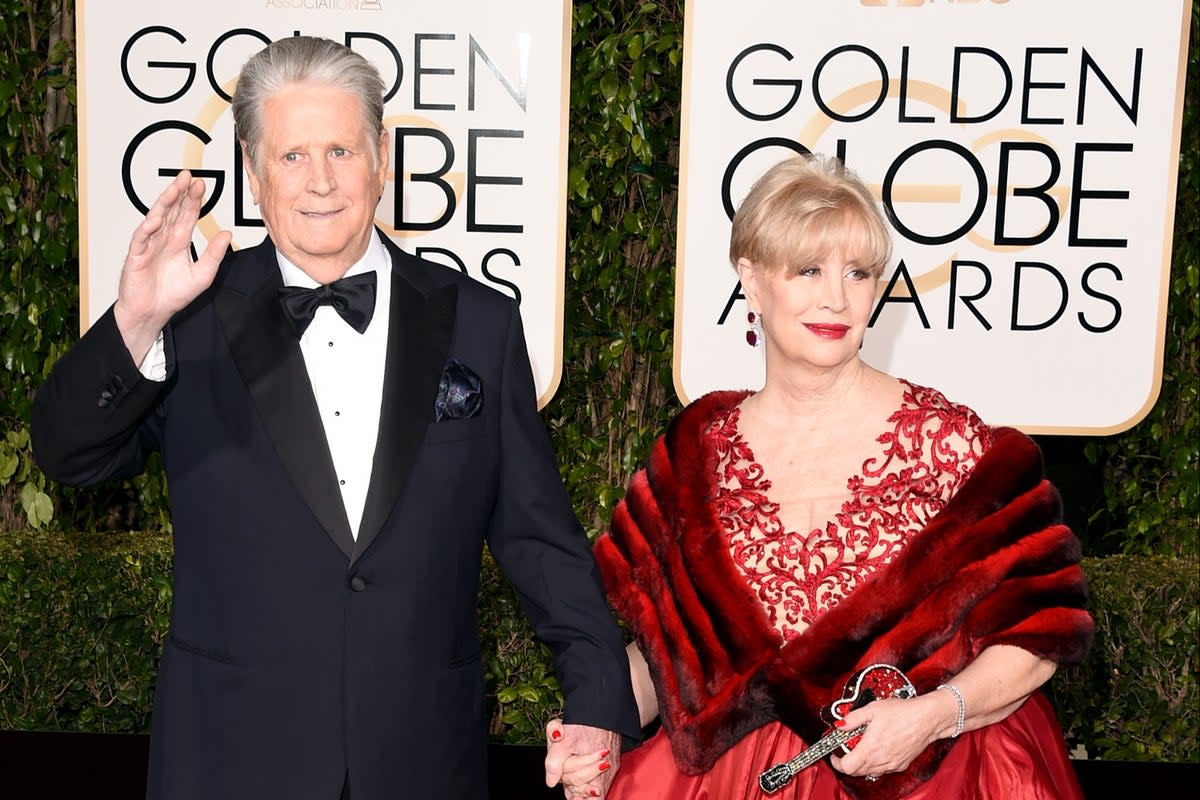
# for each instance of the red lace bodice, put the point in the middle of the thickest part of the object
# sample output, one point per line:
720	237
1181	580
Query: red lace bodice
927	454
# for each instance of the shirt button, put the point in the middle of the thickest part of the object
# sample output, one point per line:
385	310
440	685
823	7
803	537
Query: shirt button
331	344
337	413
342	482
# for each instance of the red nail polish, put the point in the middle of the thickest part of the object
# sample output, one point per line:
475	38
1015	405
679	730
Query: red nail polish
556	735
839	723
604	765
605	754
595	793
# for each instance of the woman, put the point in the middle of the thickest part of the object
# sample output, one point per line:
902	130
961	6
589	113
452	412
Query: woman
779	541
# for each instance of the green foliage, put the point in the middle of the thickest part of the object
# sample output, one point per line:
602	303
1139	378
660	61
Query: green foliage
39	281
523	693
27	493
82	622
616	396
1152	472
1136	697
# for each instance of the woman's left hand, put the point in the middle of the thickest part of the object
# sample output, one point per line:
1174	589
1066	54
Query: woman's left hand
897	732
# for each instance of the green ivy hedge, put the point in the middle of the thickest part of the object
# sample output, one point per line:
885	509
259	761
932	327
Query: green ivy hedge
82	623
1136	698
83	618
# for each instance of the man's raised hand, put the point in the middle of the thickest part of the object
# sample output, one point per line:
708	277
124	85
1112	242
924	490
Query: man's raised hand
159	277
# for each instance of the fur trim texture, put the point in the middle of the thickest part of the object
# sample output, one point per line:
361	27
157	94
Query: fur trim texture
996	566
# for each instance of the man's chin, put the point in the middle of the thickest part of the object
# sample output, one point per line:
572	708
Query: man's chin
322	259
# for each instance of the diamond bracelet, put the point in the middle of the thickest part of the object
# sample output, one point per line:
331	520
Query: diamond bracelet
962	708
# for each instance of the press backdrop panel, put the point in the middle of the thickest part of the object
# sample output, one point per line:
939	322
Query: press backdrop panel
1028	151
476	107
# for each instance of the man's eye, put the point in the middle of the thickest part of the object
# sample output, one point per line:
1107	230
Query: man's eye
291	157
339	152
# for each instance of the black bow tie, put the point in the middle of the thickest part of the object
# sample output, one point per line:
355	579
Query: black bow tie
352	298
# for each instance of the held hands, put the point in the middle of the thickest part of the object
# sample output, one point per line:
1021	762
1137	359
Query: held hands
582	758
159	276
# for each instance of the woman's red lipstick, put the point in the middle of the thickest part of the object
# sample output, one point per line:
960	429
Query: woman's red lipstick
829	331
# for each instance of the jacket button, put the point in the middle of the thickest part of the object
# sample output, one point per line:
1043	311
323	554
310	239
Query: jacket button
358	583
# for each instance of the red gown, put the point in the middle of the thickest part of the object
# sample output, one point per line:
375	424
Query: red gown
929	452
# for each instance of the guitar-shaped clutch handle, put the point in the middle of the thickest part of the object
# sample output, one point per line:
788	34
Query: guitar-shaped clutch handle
876	682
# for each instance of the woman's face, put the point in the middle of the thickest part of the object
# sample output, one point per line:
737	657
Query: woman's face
812	314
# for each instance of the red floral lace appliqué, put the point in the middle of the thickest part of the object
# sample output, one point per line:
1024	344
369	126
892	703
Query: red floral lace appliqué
928	453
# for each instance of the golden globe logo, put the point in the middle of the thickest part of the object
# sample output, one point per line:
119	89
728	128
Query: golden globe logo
1026	154
976	208
476	99
434	184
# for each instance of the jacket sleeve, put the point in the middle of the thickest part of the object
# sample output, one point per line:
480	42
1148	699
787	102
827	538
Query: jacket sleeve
539	544
97	417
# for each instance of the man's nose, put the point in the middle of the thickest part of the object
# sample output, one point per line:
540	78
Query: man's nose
321	178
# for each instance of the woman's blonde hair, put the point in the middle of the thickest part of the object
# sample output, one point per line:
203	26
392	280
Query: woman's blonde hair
802	209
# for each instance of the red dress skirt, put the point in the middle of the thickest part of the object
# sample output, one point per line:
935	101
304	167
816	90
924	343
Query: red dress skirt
1022	757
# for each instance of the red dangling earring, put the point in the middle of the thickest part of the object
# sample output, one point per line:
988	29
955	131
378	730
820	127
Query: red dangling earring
752	332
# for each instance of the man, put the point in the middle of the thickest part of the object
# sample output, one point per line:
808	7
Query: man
331	486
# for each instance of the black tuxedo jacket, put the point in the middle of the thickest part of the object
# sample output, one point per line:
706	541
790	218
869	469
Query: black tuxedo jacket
298	655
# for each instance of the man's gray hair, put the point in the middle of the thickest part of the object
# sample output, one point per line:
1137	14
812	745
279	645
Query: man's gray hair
304	59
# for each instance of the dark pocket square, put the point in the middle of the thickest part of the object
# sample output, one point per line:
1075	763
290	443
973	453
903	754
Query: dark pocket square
460	392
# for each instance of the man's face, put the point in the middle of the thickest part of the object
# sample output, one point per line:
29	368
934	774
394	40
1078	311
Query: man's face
318	181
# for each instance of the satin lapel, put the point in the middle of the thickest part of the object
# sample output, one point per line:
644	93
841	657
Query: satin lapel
268	357
419	333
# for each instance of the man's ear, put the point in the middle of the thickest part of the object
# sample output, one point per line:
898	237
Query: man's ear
748	275
251	175
385	148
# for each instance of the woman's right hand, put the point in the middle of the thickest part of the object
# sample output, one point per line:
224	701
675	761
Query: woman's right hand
583	775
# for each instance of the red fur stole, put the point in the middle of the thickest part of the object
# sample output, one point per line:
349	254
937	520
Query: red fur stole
996	566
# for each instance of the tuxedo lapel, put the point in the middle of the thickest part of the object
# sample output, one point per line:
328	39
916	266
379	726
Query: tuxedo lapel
420	329
268	358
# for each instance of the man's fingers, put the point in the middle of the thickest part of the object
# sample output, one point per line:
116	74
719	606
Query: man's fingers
167	204
554	761
210	260
139	243
159	221
183	214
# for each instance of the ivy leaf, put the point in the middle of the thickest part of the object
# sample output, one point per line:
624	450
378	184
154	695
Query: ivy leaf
609	86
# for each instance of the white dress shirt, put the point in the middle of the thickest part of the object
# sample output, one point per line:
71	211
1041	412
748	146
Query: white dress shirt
345	369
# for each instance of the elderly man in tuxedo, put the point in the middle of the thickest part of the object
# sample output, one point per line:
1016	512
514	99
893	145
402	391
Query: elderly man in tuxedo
343	426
